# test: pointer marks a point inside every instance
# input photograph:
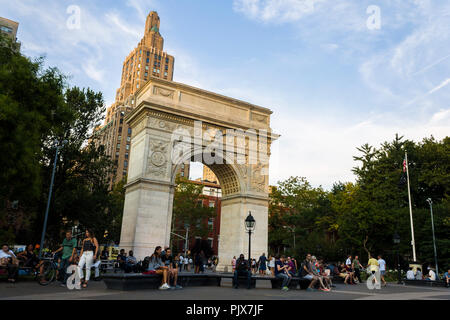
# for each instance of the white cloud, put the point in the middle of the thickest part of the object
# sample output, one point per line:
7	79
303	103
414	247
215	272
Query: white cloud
443	84
92	71
275	10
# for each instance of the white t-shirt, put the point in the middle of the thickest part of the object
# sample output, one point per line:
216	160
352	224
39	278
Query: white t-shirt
432	275
348	262
382	264
6	255
410	275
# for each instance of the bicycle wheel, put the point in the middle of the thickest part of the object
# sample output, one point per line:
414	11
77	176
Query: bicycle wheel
48	273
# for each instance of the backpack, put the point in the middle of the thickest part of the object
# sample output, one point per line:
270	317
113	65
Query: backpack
145	263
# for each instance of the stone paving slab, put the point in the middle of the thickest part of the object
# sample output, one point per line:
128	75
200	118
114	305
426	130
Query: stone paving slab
98	291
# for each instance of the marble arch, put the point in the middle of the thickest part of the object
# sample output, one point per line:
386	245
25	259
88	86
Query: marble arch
164	108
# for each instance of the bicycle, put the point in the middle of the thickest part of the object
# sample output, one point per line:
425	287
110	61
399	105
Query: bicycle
49	270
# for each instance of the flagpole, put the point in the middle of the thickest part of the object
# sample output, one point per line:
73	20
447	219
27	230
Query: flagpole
410	209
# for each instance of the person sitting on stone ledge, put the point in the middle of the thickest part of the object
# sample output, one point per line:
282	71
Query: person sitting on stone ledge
156	266
242	269
282	272
419	275
170	263
447	278
410	274
431	276
131	262
8	259
121	259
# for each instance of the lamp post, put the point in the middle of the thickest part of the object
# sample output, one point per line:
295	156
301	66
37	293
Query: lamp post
291	229
250	227
44	229
396	240
430	202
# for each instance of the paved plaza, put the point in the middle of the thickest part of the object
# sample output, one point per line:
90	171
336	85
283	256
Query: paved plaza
30	290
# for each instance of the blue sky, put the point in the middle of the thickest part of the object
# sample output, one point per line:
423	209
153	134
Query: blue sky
332	82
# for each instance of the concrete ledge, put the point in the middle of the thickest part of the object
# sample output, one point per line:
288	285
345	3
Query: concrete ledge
423	283
139	281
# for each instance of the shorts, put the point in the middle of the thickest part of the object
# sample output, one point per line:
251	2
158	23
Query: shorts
382	272
308	276
262	267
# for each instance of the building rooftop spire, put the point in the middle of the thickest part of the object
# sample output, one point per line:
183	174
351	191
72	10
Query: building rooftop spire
152	22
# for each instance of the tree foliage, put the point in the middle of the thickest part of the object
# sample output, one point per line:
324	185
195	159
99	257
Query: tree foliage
362	217
38	110
188	209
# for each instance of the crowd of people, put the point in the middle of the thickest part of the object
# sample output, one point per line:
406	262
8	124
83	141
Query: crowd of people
318	272
164	263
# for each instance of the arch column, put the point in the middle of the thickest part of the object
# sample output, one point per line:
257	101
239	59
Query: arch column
233	236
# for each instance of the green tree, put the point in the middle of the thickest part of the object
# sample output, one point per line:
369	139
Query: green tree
188	209
38	107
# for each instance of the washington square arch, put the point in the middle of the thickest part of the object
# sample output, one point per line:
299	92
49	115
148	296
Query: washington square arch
173	123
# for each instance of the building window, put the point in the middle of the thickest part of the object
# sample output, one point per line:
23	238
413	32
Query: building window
125	163
210	242
119	138
128	147
129	131
126	155
128	139
5	29
124	172
146	74
165	74
212	204
148	60
117	154
121	120
146	67
118	146
167	60
120	129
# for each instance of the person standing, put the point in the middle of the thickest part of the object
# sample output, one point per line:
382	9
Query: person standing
382	265
348	262
68	247
262	264
272	265
233	263
357	268
88	254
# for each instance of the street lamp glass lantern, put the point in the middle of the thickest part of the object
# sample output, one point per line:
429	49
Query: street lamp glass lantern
250	222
